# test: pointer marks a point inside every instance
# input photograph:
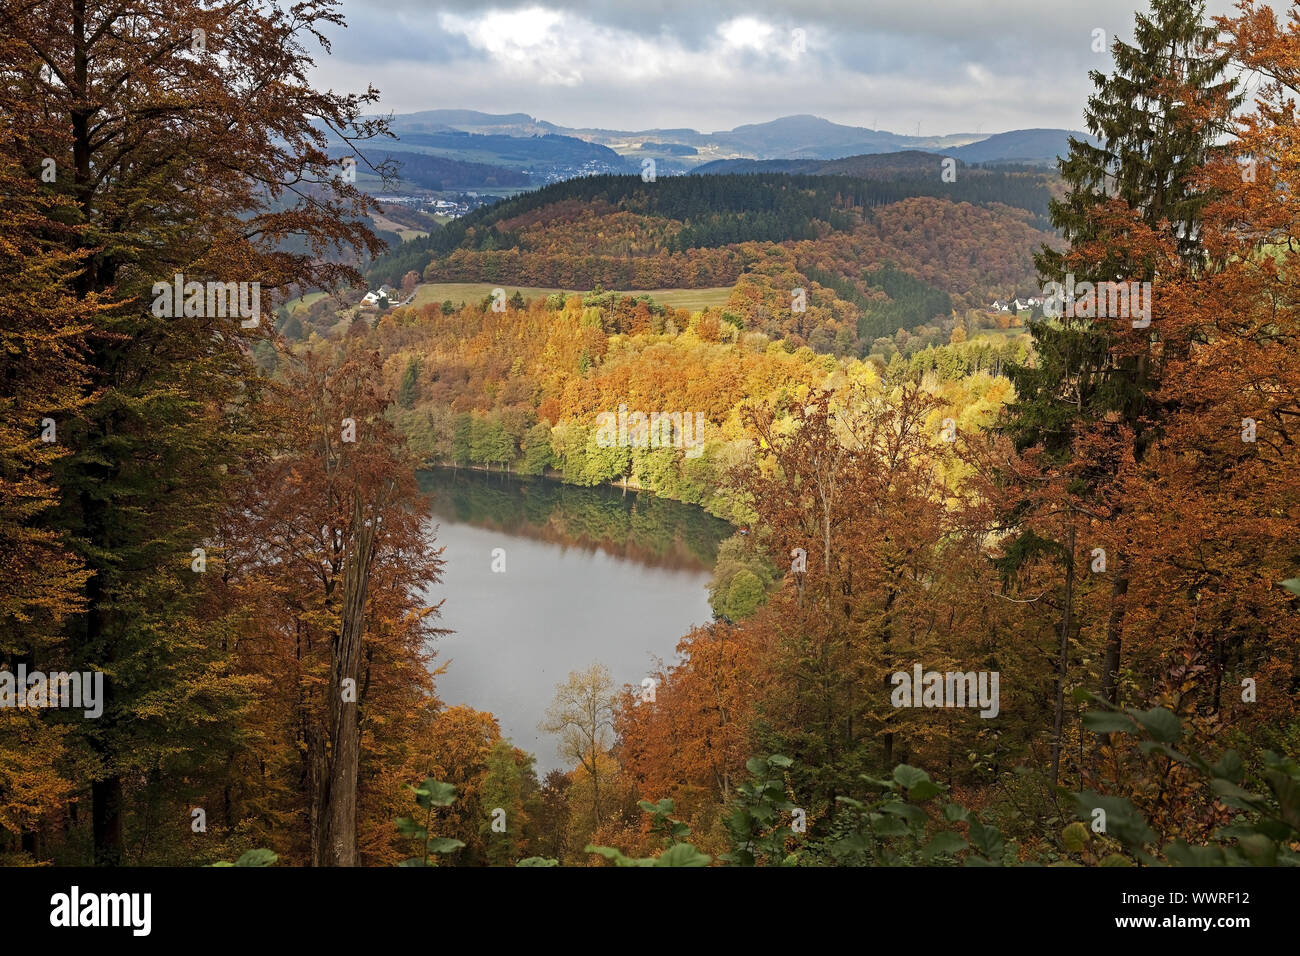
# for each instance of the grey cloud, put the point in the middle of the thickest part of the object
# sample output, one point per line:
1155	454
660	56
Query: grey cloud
894	63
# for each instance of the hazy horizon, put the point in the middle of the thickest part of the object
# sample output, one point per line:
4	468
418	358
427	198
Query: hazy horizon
952	69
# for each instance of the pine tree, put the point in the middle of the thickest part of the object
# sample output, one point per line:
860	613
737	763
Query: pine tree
409	388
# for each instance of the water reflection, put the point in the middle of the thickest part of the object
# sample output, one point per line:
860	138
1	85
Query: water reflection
651	531
589	575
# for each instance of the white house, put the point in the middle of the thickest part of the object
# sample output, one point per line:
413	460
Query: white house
371	299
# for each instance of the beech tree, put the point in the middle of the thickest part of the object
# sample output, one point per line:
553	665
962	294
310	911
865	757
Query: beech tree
327	538
42	377
187	140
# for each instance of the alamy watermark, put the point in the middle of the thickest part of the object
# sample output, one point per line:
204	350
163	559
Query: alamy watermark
78	689
1115	300
653	430
950	689
208	300
75	909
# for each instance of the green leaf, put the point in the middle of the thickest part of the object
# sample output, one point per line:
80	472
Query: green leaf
1123	821
987	839
608	852
1180	854
260	857
1232	795
443	845
877	782
953	812
1230	768
1259	849
909	776
1292	585
779	760
1155	746
924	791
1107	722
1161	724
683	854
406	826
616	855
1075	837
891	826
537	861
436	794
907	811
946	843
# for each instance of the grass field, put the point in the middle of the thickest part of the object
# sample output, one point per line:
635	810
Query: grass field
1000	336
392	225
458	292
304	303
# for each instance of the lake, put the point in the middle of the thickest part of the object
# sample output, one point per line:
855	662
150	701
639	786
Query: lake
590	575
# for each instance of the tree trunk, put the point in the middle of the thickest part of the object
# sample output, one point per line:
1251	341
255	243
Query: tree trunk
106	820
338	843
1114	632
1058	718
886	634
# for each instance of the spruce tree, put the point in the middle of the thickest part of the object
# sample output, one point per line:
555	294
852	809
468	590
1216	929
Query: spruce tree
1149	118
409	389
1157	119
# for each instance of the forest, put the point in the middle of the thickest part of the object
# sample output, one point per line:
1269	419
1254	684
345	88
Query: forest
707	230
1002	590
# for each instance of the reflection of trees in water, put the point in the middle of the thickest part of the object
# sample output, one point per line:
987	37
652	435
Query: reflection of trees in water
654	531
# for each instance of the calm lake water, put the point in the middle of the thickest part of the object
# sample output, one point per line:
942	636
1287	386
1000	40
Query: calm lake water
590	575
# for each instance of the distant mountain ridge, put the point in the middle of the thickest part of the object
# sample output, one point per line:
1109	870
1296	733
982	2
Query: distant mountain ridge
802	136
1021	145
509	148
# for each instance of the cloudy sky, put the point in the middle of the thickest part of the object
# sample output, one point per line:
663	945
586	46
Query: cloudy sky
950	65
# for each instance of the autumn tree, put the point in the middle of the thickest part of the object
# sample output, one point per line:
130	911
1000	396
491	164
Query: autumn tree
189	141
330	521
689	740
1214	636
582	717
1131	215
851	490
42	378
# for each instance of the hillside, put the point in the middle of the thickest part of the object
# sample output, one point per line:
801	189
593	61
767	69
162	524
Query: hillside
917	163
892	252
1020	146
